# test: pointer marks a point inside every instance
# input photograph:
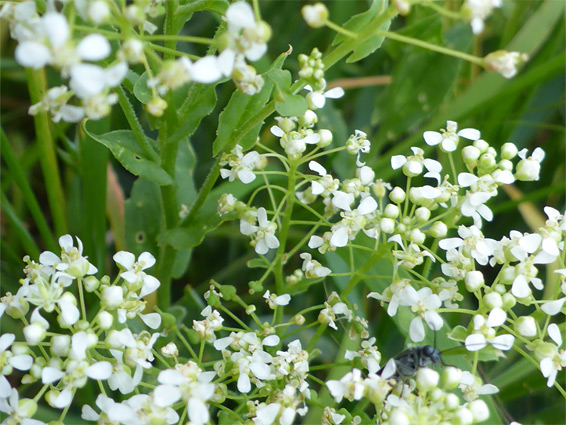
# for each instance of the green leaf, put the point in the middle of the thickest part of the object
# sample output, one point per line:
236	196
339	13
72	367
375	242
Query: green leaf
257	263
143	213
124	147
280	77
200	100
291	105
358	22
240	107
141	90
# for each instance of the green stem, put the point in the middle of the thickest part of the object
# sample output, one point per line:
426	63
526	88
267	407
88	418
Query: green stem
429	46
19	176
19	227
316	336
48	159
175	38
341	30
361	271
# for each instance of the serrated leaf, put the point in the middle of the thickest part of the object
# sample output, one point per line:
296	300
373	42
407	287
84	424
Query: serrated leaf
124	147
239	109
200	100
141	90
356	23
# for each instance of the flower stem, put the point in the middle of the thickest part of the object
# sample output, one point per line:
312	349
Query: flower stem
340	29
48	159
429	46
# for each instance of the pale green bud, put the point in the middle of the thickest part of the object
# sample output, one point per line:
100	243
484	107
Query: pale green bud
60	345
438	230
509	151
34	333
397	195
422	214
26	408
156	106
104	320
391	211
505	165
479	410
474	280
417	236
427	379
450	378
463	417
112	297
493	300
470	155
387	225
316	15
325	138
509	301
452	401
91	283
299	319
481	145
398	417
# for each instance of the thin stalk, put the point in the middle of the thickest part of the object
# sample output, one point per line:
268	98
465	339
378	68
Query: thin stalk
54	188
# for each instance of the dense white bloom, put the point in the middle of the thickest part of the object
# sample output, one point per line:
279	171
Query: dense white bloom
241	165
264	233
72	261
449	138
472	243
350	386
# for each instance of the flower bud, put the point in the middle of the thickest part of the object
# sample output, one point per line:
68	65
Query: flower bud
170	350
544	350
156	106
104	320
114	339
34	333
438	230
474	280
528	170
427	379
486	163
505	165
391	211
91	283
402	6
387	225
479	410
450	378
463	417
308	119
132	51
422	214
325	138
509	151
493	300
112	297
397	195
98	11
398	417
481	145
250	309
379	189
452	401
470	155
299	319
526	326
417	236
26	408
60	345
316	15
509	301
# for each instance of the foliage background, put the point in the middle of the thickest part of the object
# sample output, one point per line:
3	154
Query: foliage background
394	95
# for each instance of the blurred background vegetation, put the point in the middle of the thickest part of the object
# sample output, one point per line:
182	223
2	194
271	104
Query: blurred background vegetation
393	95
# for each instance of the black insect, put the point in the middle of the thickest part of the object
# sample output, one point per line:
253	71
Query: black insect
406	364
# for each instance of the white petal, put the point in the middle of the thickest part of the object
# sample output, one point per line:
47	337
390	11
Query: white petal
389	369
416	330
475	342
240	14
150	284
555	334
147	259
311	139
5	387
467	179
276	131
335	93
63	399
469	133
337	389
99	371
56	28
342	200
21	361
503	342
244	385
87	80
260	370
315	242
50	375
283	299
206	70
198	413
397	161
433	320
450	243
255	52
125	259
339	237
317	168
31	54
553	307
368	205
520	287
318	99
247	228
246	175
225	62
432	138
5	341
271	341
316	188
94	47
538	154
496	317
79	343
89	414
152	320
166	395
115	74
488	389
267	414
70	312
171	377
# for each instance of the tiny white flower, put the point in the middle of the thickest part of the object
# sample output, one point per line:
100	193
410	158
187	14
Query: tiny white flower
264	233
241	165
318	98
133	271
313	268
449	138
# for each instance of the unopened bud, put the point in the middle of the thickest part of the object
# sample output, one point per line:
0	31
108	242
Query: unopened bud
427	379
316	15
112	297
463	417
34	333
493	300
104	320
422	214
526	326
479	410
391	211
509	151
504	62
397	195
450	378
156	106
91	283
474	280
60	345
170	350
325	138
387	225
481	145
299	319
438	230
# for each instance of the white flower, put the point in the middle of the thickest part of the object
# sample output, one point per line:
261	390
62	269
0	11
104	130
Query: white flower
55	102
8	361
422	302
449	138
121	378
352	221
504	62
350	386
551	365
89	80
276	300
133	272
264	234
19	411
313	268
295	142
472	243
472	387
241	165
141	409
317	99
71	261
413	165
528	169
326	185
357	144
484	332
477	11
329	313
